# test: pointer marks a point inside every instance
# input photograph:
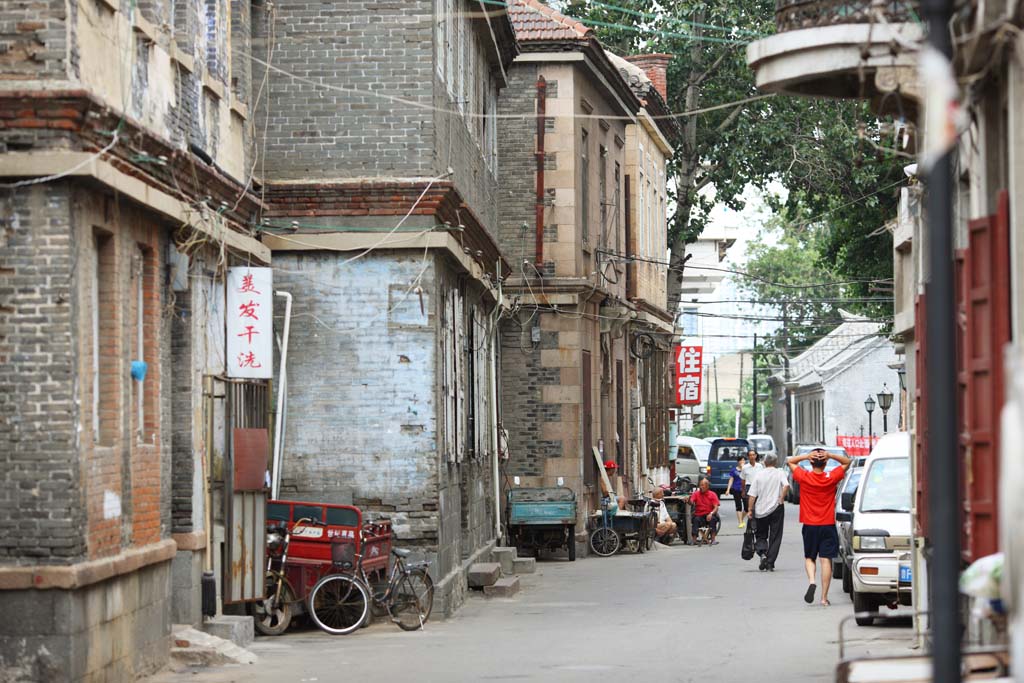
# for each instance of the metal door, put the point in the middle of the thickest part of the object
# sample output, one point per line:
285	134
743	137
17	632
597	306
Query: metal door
587	415
987	307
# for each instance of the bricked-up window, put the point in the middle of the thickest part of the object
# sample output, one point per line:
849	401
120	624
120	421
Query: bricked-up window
585	185
460	59
492	125
440	39
105	321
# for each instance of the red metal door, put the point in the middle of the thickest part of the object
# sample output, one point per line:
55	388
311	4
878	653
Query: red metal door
987	306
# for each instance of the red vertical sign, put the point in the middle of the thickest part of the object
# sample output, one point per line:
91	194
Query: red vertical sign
688	372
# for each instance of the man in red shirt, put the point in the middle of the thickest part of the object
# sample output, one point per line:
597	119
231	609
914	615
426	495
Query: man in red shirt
818	514
705	510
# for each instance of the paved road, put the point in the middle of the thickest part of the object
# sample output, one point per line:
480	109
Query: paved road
686	614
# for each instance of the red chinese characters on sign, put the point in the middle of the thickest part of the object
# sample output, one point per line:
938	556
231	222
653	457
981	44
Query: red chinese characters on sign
857	445
249	320
689	363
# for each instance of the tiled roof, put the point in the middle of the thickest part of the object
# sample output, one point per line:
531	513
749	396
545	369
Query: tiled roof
533	20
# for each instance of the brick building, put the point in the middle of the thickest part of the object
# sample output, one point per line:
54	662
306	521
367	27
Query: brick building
124	155
583	355
383	222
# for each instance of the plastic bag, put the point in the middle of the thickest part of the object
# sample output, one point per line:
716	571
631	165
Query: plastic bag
983	578
747	550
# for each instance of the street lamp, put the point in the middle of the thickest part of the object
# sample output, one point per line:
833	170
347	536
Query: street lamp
885	402
869	405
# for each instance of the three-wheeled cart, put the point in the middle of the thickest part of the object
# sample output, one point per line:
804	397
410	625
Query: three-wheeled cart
293	570
613	531
542	518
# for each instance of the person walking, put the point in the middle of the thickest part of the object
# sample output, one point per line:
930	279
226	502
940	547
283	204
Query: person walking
818	515
751	468
765	504
735	487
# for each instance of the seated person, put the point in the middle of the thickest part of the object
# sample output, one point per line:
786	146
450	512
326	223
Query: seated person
666	527
705	510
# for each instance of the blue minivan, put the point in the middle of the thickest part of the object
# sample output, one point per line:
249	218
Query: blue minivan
722	459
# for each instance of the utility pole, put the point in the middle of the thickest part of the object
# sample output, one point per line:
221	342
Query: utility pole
753	359
739	401
940	315
785	363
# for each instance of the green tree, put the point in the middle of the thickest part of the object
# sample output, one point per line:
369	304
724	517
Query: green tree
823	151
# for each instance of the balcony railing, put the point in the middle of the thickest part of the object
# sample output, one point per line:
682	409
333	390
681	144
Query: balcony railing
791	15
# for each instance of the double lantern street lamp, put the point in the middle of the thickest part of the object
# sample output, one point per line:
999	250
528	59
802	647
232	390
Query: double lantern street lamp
884	402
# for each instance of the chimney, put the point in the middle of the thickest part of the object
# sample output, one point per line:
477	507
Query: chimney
656	67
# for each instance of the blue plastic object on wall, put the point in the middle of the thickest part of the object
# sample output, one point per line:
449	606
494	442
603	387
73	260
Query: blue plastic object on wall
139	368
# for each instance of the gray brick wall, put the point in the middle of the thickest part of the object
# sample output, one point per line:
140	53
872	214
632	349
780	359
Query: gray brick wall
381	46
41	513
516	145
35	37
361	408
522	409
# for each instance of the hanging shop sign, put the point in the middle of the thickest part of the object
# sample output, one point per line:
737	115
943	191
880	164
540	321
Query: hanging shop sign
689	362
250	322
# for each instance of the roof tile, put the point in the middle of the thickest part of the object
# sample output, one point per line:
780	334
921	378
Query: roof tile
533	20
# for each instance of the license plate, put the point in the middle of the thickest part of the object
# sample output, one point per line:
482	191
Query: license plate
906	574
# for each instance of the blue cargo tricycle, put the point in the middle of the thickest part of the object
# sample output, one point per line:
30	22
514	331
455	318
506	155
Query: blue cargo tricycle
542	518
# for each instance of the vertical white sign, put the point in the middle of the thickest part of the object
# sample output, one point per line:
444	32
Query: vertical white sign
250	322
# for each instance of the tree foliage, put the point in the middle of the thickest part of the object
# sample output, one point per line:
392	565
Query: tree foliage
823	151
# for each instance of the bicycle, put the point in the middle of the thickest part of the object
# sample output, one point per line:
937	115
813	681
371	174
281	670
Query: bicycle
340	601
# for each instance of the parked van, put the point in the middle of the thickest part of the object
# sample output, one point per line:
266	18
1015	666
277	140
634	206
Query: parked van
691	459
722	459
764	444
879	514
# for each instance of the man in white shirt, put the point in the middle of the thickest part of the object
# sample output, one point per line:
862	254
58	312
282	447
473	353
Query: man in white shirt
765	504
751	468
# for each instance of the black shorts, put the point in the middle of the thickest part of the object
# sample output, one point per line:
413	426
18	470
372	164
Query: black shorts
820	541
697	522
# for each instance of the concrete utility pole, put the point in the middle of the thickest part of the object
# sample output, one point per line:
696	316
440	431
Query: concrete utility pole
788	395
940	314
753	360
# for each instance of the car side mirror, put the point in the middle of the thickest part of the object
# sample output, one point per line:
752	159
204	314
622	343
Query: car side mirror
846	502
844	516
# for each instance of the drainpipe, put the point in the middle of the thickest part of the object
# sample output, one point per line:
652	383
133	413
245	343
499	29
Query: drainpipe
282	389
494	414
542	93
629	243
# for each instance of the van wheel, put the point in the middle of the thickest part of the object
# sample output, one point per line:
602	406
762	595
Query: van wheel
847	579
864	603
837	568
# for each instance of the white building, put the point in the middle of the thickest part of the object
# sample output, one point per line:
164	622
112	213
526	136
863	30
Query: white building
830	381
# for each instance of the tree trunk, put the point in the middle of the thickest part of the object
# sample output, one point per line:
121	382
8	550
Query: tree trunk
687	178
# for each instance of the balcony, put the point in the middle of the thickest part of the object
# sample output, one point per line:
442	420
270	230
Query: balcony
839	48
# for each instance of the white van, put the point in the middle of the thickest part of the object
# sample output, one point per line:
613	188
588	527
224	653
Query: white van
691	458
881	526
764	444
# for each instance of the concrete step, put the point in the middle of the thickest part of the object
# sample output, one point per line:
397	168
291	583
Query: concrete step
504	556
484	574
524	565
503	588
238	629
191	648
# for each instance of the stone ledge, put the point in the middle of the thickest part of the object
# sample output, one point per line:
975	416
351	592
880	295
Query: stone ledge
71	577
192	540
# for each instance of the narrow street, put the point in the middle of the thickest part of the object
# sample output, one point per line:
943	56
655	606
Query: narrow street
682	613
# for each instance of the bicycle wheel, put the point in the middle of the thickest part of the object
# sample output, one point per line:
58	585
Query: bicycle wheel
604	541
412	600
339	604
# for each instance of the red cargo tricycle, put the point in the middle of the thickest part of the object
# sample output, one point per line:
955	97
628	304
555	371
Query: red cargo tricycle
303	540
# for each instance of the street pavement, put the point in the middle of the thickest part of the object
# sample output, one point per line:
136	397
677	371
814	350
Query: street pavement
680	613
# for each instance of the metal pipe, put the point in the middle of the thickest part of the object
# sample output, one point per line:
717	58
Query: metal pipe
944	494
494	411
281	390
630	275
542	93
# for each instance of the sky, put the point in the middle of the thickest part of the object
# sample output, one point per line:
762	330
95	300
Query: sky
748	223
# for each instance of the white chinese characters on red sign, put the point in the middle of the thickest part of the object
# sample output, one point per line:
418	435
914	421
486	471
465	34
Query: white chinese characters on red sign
688	373
250	322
